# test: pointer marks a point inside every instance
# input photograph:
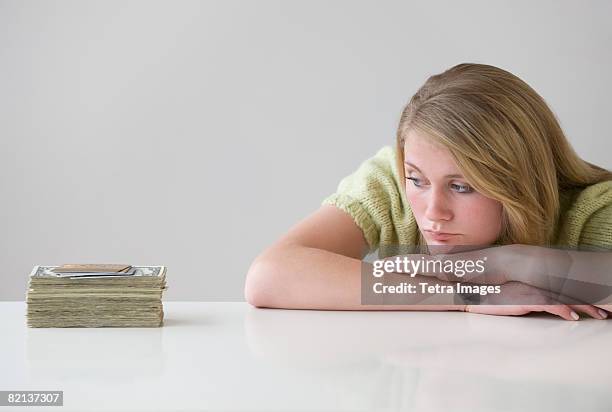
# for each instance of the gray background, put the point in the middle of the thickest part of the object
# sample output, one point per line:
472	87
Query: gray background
193	134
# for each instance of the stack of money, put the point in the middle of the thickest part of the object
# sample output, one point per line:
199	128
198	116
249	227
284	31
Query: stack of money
78	295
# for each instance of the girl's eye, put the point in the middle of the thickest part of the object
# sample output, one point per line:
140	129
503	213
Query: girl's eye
415	181
457	187
462	188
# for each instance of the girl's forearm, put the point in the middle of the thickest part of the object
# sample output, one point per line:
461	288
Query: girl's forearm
581	275
592	267
298	277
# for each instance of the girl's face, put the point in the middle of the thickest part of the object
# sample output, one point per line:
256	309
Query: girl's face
441	199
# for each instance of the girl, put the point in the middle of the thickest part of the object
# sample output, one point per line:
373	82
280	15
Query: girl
480	159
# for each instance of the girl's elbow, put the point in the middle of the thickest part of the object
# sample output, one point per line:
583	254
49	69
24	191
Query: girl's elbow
259	288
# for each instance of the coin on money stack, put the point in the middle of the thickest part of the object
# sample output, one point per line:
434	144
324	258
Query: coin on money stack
96	295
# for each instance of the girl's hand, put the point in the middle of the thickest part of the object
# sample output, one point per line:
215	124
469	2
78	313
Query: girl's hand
567	312
539	301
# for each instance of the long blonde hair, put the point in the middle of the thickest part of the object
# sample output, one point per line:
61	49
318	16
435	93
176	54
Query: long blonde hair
506	141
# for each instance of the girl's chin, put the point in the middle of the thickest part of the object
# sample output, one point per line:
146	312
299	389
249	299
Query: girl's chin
454	247
440	247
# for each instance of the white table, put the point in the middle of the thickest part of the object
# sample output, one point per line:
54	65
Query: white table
231	356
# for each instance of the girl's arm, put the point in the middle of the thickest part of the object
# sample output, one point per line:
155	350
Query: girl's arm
317	265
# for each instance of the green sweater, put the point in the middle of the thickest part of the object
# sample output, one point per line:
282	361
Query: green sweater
372	196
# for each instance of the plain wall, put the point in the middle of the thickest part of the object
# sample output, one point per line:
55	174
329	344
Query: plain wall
193	134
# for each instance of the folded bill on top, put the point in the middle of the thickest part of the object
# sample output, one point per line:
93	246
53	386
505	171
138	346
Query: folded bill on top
91	268
130	272
135	271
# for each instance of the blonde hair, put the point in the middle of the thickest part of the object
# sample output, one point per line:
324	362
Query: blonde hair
506	141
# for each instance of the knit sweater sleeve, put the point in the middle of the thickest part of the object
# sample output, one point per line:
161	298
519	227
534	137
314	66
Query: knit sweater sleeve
597	230
371	195
588	221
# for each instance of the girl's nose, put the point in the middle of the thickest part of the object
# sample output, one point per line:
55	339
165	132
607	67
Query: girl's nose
438	207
